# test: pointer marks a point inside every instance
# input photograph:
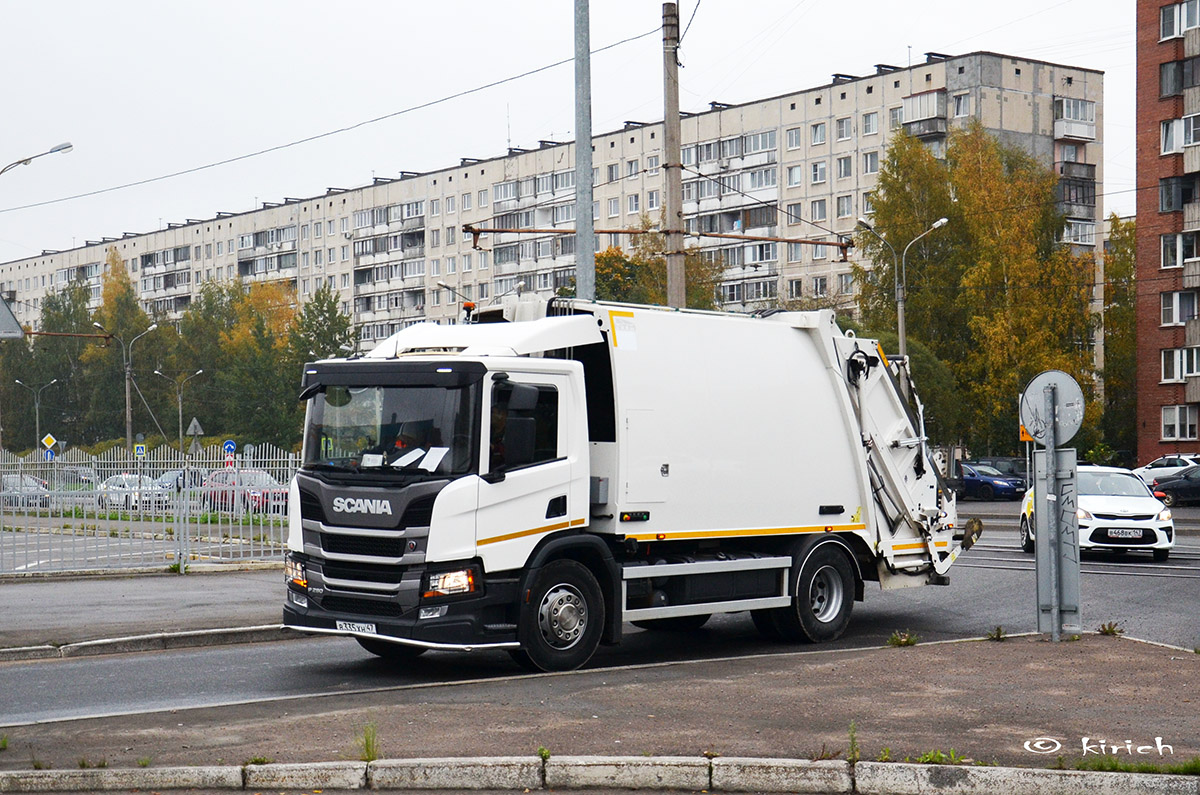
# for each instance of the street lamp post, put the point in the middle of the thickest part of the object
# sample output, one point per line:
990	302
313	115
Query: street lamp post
63	147
179	400
900	271
127	363
37	408
468	304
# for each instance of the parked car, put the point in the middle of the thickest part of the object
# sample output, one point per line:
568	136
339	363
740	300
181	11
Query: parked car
187	479
74	477
1009	466
988	483
1183	486
24	491
133	492
1166	465
1116	511
251	489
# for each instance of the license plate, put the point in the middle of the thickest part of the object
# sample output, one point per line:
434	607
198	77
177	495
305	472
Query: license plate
1124	532
354	626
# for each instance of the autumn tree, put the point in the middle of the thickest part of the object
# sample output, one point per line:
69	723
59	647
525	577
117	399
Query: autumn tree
994	294
1120	337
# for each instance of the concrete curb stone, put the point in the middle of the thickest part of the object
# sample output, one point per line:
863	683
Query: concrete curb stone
158	641
494	773
100	779
892	778
743	774
314	775
627	772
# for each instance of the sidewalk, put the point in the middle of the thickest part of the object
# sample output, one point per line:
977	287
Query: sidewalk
651	725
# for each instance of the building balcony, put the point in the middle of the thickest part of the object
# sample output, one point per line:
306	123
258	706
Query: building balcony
1069	170
1191	331
1191	217
1191	159
1191	389
926	128
1071	130
1191	277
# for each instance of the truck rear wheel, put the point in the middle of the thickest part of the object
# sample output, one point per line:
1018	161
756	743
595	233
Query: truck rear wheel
561	618
823	597
392	652
676	624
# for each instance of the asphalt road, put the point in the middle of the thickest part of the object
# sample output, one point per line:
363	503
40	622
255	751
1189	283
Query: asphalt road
993	585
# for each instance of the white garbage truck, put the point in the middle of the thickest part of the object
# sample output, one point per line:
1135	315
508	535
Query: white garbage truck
537	479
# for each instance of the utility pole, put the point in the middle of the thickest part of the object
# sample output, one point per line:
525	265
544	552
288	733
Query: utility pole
673	165
585	235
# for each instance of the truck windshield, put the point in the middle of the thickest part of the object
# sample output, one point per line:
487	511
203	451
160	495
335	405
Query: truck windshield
414	430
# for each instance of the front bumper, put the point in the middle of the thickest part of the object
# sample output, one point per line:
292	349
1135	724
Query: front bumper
400	614
1094	534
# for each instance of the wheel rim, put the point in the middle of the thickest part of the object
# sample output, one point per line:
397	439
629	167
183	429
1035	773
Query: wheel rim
1024	532
562	616
826	594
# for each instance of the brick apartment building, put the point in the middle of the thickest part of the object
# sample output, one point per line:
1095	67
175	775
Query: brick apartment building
1168	223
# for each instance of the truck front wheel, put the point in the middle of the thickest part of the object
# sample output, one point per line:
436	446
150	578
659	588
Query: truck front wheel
561	618
823	597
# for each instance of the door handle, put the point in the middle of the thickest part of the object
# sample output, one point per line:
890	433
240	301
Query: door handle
557	507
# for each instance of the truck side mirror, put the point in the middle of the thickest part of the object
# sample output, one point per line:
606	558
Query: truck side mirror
519	440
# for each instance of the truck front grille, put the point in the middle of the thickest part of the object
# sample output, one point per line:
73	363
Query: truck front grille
363	572
361	607
362	545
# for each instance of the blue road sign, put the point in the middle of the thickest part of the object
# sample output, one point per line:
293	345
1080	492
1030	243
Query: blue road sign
228	446
49	454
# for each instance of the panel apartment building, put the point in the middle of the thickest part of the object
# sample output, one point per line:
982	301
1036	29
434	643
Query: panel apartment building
1168	227
797	166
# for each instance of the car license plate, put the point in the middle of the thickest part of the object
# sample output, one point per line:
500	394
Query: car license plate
354	626
1124	532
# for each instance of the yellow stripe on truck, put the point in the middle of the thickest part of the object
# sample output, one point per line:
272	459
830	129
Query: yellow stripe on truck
744	532
550	528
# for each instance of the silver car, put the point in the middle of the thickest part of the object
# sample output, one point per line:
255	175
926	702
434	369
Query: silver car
132	492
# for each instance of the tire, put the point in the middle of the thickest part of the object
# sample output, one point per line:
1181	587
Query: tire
676	624
1026	538
1169	499
822	596
987	493
1161	555
392	652
561	619
764	622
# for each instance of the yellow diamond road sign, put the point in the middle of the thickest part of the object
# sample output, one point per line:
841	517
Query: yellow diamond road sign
49	441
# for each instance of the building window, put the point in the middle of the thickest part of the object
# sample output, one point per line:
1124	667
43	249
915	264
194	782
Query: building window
762	178
466	201
845	167
1178	307
818	133
1178	248
759	142
614	208
962	105
1178	422
820	252
450	208
1080	233
895	117
1172	136
926	105
449	236
652	165
817	210
870	123
868	206
435	207
795	252
795	176
794	139
870	162
795	289
632	169
845	283
731	293
1075	109
483	197
435	238
845	206
634	203
614	172
1174	192
761	291
652	200
820	286
818	172
1180	363
842	129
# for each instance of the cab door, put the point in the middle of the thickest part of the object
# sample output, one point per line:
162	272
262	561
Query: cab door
530	488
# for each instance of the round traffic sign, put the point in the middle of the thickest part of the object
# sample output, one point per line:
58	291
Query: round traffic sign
228	446
1069	406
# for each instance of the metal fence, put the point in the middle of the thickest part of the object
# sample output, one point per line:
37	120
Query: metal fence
81	512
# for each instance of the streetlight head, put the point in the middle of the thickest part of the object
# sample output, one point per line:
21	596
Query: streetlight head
159	372
19	381
63	147
863	223
939	223
198	372
97	325
55	381
443	285
152	327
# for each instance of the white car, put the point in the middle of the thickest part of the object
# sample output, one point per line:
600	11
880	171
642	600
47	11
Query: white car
1116	512
1167	465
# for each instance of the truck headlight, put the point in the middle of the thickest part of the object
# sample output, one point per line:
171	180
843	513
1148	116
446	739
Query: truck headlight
450	583
294	573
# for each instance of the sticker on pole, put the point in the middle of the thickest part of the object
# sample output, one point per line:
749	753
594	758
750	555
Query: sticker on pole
1068	405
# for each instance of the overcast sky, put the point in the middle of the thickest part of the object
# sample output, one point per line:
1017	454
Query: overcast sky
146	88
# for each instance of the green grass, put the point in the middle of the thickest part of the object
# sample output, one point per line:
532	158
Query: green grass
937	757
903	638
1111	629
144	762
997	634
543	753
1114	764
257	760
3	742
368	743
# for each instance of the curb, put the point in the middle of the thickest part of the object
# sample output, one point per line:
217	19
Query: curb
158	641
525	774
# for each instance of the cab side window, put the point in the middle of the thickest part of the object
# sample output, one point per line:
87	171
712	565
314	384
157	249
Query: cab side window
543	415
